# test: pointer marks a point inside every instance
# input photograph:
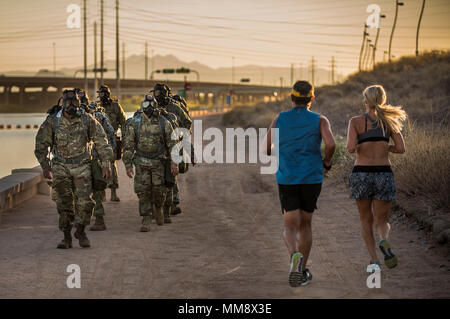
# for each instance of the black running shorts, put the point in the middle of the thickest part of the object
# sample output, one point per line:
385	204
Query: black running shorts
301	196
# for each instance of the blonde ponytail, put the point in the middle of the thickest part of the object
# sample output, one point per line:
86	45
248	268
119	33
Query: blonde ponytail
388	117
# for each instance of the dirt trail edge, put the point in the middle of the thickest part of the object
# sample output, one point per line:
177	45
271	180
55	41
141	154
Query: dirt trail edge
227	244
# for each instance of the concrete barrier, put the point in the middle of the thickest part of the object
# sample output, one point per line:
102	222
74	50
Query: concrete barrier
21	185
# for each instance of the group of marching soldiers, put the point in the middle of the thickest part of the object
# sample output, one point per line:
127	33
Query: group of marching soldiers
84	143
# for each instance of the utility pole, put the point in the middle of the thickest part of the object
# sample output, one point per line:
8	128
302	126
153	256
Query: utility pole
366	54
101	42
146	62
382	16
117	51
362	46
312	70
418	28
123	60
54	59
371	46
232	70
397	4
332	70
95	56
85	46
292	74
152	65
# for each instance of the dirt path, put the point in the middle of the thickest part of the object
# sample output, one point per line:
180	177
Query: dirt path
227	244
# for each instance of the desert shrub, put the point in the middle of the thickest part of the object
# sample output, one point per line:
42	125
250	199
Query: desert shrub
424	170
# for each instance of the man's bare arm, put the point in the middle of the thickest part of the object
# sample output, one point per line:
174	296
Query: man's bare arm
267	143
328	139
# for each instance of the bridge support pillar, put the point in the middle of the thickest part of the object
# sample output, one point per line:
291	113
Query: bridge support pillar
45	95
21	95
6	93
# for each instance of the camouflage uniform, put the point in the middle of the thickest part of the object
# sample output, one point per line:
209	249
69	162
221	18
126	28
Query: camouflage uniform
69	141
101	117
146	146
117	117
184	120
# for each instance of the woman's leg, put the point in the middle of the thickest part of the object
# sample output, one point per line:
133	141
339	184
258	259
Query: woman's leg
366	218
381	210
291	228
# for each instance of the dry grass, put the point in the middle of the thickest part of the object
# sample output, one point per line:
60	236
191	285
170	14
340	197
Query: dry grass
424	171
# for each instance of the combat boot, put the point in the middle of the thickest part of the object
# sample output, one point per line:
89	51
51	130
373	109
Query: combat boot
167	219
114	197
159	215
99	224
146	221
67	240
176	211
81	236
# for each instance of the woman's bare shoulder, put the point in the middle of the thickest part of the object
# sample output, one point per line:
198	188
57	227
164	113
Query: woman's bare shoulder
356	119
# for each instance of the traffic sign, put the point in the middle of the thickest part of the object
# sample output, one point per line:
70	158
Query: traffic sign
187	86
183	70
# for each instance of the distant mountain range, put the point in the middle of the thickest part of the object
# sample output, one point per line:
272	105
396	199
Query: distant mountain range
135	64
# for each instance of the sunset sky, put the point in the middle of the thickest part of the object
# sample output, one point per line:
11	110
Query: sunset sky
261	32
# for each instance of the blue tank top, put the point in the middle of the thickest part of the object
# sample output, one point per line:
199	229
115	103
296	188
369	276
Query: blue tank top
299	154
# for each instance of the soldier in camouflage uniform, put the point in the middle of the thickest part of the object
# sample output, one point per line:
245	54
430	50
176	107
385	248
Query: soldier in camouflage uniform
163	97
117	117
99	114
147	141
68	134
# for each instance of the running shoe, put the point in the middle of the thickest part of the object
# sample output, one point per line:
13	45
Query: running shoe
390	259
307	277
295	270
370	268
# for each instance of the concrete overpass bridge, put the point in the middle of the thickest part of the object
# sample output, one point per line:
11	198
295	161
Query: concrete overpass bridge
46	90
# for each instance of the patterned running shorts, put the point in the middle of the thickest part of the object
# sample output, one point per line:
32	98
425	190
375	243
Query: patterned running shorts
372	182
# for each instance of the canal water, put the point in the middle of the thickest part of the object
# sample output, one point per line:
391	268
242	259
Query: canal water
17	145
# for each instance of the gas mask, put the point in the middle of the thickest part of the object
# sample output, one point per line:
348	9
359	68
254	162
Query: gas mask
71	103
84	99
104	94
161	92
148	105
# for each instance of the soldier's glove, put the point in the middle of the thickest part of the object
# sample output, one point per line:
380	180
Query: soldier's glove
48	174
130	173
106	172
174	169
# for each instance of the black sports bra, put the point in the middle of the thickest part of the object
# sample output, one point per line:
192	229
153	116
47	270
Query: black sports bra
374	134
